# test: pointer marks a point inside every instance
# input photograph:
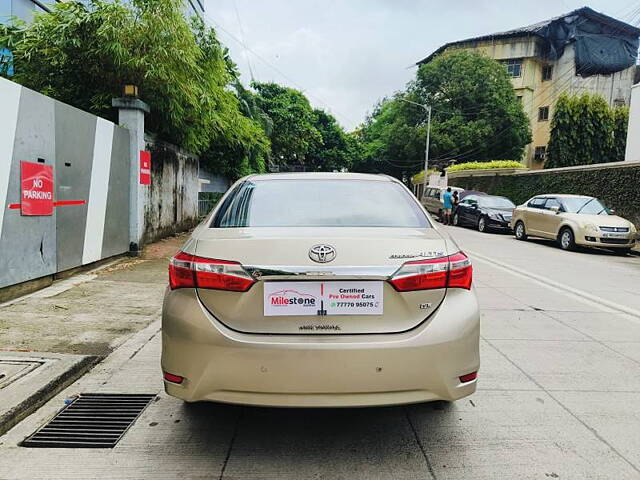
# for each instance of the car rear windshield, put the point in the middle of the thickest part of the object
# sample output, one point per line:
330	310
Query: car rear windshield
319	203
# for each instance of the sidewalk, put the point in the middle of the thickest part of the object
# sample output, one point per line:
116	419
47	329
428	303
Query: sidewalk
91	313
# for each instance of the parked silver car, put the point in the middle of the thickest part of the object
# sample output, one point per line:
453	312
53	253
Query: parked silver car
432	199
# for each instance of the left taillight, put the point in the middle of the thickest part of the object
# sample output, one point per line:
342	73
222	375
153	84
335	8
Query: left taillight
191	271
453	271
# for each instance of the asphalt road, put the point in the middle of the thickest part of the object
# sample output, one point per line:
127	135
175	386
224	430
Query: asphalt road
558	396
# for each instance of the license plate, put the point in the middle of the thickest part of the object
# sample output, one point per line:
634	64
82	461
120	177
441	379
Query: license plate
615	235
323	298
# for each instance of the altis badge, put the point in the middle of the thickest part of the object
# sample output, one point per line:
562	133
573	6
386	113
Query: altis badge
404	256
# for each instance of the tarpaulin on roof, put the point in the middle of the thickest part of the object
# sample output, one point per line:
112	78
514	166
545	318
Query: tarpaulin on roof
603	45
600	48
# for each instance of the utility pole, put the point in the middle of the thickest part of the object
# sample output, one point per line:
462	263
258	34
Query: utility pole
426	150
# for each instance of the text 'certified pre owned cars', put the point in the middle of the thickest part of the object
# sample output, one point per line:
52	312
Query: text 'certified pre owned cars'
319	290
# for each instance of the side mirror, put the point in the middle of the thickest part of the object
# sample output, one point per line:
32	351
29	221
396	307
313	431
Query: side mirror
555	209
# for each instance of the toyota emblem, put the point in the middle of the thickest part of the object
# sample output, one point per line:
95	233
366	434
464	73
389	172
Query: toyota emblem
322	253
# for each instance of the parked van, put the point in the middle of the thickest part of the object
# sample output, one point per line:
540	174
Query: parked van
432	199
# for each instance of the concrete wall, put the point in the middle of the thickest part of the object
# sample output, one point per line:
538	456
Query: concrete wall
90	160
210	182
171	203
632	153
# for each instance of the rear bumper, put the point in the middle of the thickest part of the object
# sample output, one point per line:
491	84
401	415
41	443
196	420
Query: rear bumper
223	365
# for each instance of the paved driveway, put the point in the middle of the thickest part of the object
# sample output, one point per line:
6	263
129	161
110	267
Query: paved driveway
558	396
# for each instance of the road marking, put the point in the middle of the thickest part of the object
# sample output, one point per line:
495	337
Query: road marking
555	286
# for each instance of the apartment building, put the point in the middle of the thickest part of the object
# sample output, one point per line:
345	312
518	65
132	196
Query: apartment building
581	51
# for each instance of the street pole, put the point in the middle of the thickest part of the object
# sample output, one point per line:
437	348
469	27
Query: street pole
426	150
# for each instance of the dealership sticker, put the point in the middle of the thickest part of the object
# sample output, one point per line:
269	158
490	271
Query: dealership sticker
322	298
353	298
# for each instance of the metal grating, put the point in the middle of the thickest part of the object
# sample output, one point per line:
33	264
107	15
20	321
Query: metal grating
92	420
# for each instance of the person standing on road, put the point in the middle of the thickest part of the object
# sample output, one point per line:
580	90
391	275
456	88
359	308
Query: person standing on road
447	205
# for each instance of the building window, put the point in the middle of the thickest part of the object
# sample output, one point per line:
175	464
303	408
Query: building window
514	67
543	114
547	72
540	153
519	98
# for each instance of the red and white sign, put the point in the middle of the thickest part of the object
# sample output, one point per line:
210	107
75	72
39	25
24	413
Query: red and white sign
145	167
36	189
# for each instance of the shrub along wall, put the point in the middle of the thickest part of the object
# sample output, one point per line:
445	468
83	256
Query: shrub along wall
618	185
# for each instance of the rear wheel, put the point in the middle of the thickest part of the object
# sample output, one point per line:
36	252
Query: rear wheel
566	239
482	225
519	231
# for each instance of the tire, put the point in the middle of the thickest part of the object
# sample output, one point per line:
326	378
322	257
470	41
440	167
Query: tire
566	239
519	230
456	220
482	225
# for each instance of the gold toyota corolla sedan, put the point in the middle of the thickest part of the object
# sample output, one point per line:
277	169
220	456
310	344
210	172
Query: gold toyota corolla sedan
319	290
573	220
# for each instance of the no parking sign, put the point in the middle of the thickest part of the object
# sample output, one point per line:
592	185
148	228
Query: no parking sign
36	189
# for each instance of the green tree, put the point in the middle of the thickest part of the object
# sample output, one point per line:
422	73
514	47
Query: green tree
585	130
84	54
475	116
335	152
294	134
620	125
393	139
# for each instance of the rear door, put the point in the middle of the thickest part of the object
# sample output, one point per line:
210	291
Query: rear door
533	217
433	200
550	220
464	209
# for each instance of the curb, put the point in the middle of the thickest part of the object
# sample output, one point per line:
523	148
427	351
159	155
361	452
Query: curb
34	399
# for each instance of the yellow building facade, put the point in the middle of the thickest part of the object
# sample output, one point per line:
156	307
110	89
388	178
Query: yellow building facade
539	79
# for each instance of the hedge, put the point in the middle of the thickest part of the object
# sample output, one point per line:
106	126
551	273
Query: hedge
618	187
485	165
419	177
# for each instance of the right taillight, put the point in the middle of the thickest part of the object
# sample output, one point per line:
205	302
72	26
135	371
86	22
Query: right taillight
191	271
453	271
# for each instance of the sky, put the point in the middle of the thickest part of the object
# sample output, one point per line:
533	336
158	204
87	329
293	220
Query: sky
346	55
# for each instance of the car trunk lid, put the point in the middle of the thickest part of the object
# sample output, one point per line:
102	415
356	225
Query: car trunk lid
337	297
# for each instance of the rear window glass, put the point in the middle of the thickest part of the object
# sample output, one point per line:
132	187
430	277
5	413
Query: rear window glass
319	203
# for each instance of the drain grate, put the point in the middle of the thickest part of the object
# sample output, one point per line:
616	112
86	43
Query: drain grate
92	420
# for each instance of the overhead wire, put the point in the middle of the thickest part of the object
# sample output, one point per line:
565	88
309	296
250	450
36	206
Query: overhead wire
277	70
244	52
